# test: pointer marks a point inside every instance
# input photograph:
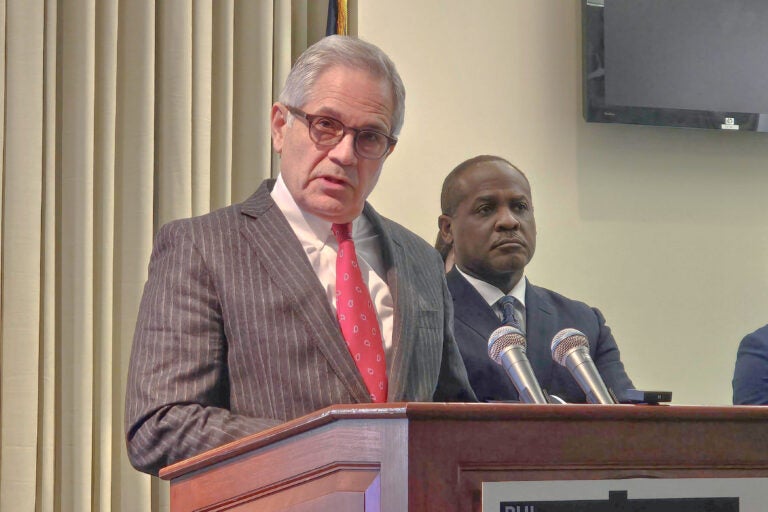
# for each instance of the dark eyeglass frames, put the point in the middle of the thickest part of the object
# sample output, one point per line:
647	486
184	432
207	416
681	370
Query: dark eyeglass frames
327	131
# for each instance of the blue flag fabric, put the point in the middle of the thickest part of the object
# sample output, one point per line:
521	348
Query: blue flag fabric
337	18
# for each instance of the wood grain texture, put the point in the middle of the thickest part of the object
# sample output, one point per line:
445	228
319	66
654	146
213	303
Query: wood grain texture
435	456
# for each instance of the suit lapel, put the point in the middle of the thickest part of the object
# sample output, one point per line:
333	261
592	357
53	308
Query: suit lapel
470	307
405	316
280	253
472	310
539	312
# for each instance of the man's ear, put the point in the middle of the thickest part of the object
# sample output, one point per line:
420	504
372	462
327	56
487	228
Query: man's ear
444	223
389	152
278	124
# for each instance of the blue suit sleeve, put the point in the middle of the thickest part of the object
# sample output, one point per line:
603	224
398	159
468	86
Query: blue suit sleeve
608	360
750	376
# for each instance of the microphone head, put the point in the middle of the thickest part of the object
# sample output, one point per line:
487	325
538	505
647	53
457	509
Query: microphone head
502	338
565	341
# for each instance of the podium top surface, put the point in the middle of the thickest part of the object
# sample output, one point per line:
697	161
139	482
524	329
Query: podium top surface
467	412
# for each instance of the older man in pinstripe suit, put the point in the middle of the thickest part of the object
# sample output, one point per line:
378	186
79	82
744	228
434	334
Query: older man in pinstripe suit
237	329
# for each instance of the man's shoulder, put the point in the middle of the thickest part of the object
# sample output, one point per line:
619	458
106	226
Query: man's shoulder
214	220
459	287
403	234
557	299
399	234
564	312
224	217
758	337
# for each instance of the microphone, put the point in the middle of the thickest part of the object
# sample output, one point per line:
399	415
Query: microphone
506	346
570	348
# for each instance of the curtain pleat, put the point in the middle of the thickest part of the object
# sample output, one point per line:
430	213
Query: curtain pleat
252	98
134	216
106	379
222	92
174	110
120	115
21	257
2	141
47	405
77	245
201	80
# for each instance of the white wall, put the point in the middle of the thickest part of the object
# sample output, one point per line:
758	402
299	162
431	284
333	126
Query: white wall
665	230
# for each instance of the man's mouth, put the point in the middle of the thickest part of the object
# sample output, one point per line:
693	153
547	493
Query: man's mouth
508	242
334	180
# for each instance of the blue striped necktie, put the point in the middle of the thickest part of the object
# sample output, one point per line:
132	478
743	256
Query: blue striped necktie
508	307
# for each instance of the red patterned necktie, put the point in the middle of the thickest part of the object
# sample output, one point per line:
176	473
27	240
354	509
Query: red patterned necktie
357	316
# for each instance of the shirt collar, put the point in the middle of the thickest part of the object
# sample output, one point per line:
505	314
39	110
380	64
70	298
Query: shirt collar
311	227
490	293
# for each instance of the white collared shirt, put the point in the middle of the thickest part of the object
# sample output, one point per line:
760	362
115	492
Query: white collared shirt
321	247
491	295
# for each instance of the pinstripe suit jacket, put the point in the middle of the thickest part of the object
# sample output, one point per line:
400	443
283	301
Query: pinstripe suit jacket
235	333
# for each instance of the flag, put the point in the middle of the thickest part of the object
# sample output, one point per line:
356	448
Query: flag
337	18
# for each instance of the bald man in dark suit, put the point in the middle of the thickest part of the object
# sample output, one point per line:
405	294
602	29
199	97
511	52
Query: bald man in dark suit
488	221
239	327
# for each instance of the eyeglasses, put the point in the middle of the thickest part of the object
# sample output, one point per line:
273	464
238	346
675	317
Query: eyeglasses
327	131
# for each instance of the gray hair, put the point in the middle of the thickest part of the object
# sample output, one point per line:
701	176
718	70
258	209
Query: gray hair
347	51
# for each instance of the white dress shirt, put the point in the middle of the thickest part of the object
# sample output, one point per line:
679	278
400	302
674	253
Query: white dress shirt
491	295
321	247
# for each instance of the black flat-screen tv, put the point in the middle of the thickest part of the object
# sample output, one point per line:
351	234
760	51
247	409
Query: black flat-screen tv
684	63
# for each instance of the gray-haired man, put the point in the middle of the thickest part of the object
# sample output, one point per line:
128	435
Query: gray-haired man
240	327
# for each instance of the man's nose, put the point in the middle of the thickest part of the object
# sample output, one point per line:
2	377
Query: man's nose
344	151
507	219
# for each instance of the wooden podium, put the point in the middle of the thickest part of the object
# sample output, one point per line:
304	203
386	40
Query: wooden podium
435	457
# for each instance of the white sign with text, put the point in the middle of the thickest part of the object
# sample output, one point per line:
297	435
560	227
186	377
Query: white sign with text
630	495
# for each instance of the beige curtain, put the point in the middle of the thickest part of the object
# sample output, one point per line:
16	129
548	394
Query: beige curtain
119	115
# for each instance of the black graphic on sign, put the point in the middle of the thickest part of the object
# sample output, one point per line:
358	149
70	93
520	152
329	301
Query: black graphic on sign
617	502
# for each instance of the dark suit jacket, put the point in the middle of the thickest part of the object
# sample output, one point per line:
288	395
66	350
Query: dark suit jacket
750	376
235	333
547	313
